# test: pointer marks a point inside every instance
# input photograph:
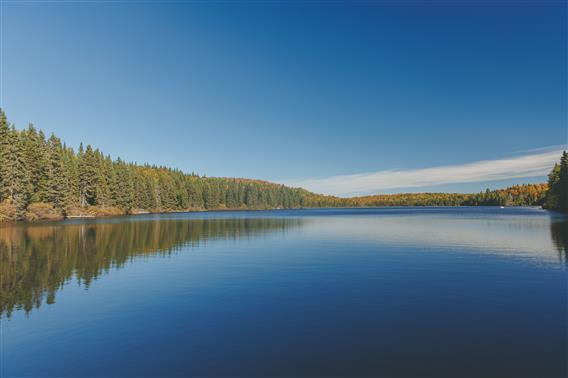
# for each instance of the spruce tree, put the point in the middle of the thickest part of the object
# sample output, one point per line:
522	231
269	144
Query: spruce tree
57	188
4	155
88	176
563	183
35	156
70	165
19	186
124	186
103	180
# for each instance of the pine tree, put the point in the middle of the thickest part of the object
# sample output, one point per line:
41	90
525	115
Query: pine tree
88	176
4	155
103	180
19	186
563	183
57	188
35	155
70	165
125	186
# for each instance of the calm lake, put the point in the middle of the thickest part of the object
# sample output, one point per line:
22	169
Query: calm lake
390	292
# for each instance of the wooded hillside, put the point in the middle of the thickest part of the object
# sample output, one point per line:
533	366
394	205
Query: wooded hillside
42	178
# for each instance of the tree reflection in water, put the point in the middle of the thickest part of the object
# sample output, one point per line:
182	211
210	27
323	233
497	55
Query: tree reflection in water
559	234
38	260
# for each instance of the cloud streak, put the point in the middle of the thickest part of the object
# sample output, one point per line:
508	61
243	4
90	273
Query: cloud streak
528	165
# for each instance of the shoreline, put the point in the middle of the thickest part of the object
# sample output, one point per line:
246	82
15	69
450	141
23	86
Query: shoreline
89	215
49	213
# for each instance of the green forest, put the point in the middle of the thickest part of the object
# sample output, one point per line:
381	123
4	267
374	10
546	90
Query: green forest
557	195
43	178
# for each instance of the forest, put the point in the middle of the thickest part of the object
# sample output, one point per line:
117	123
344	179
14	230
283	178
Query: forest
517	195
43	178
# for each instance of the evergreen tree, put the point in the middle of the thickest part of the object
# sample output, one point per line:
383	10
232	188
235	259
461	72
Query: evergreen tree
4	155
125	186
88	176
563	183
553	188
18	180
104	176
35	156
57	188
71	169
557	195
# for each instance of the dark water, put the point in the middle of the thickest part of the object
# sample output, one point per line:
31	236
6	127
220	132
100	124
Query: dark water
432	292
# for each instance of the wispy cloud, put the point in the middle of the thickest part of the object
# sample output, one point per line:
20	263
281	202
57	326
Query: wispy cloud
528	165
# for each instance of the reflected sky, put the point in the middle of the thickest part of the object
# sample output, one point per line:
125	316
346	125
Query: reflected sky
525	234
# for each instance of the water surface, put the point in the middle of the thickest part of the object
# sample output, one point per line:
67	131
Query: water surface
393	292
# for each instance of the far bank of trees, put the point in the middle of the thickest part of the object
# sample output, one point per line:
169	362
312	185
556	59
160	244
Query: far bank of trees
518	195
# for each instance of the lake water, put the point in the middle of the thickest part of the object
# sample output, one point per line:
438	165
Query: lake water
396	292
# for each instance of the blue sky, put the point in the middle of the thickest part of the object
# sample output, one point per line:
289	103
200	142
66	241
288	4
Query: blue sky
299	93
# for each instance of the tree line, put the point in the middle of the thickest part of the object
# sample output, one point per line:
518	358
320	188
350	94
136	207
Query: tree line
517	195
43	178
35	169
